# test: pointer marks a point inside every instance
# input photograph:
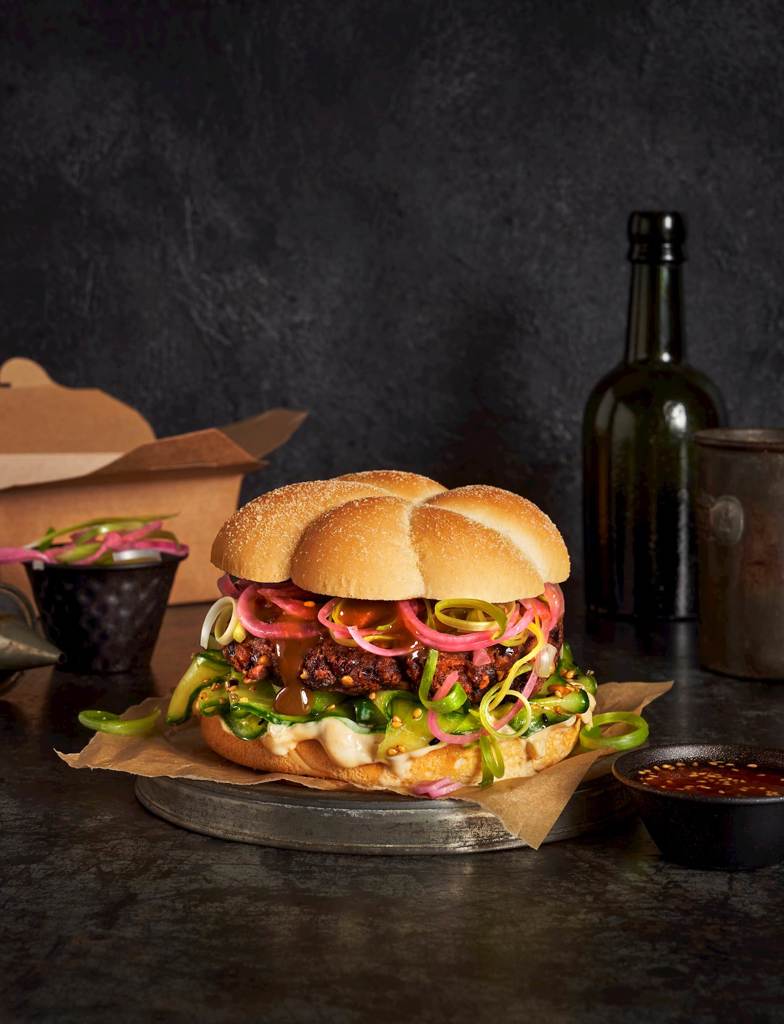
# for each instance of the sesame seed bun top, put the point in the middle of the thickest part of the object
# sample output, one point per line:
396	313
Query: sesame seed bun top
388	535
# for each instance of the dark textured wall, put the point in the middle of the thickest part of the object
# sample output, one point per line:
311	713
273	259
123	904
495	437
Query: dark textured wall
407	216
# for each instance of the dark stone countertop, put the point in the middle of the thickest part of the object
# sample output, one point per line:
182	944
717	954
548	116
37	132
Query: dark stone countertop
111	911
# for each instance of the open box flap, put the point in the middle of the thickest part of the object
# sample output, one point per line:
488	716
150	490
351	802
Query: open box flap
60	442
201	449
261	434
40	416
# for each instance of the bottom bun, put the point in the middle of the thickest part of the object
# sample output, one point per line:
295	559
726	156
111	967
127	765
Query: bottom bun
522	758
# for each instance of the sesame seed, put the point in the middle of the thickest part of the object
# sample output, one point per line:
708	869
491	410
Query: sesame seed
304	674
752	766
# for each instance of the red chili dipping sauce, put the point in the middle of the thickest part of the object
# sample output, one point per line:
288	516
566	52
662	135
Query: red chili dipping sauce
715	778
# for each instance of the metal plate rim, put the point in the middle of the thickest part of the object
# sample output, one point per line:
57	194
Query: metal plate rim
275	817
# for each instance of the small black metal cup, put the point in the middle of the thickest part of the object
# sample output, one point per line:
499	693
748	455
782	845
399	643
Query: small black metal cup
740	544
103	618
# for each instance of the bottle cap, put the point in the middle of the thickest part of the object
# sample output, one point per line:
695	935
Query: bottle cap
656	237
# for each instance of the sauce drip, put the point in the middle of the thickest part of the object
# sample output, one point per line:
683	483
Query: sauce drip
366	613
293	700
715	778
289	655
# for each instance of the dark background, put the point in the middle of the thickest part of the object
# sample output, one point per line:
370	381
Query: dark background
405	216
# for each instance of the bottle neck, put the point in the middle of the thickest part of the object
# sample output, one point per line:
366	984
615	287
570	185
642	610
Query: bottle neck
655	328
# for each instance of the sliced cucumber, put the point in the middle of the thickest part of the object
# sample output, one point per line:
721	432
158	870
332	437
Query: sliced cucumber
572	703
202	671
406	731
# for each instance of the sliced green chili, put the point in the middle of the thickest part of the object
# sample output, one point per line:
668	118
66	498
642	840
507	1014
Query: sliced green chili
594	739
105	721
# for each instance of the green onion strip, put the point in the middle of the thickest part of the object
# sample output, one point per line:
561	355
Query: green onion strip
496	616
105	721
593	738
456	697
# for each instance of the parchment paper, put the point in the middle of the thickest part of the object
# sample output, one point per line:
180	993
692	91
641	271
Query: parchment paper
528	808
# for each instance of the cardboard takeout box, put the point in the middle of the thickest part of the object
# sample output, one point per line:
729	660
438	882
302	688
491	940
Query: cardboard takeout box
68	454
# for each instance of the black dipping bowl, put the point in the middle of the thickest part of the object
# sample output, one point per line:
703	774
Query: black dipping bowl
728	833
103	618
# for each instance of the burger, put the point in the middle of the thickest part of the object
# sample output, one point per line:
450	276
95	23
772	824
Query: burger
383	631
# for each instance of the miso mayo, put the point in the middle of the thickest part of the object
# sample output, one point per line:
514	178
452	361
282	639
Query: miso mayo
347	747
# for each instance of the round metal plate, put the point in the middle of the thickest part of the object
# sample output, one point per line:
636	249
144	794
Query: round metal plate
293	817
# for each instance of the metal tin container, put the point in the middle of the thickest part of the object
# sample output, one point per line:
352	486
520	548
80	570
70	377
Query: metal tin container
740	533
104	618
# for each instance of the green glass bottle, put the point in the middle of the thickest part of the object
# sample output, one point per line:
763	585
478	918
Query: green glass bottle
638	453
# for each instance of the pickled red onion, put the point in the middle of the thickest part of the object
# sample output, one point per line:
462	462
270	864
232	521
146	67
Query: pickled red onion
446	687
513	624
357	636
144	531
288	604
98	538
461	740
112	541
8	555
435	638
518	627
530	684
537	606
481	657
283	585
555	600
227	586
323	615
270	630
432	721
437	789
